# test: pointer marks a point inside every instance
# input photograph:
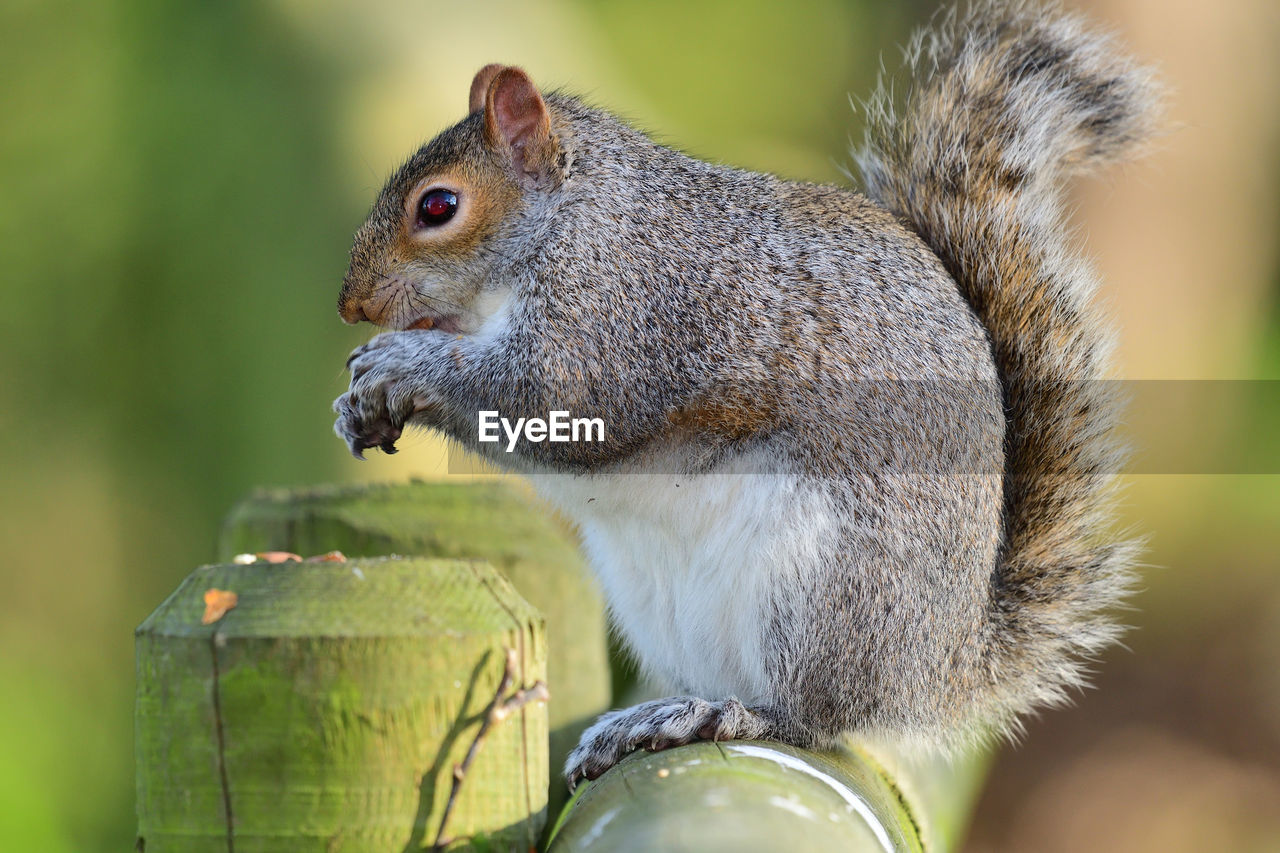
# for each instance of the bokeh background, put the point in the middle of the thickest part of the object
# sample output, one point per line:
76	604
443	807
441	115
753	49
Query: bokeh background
178	185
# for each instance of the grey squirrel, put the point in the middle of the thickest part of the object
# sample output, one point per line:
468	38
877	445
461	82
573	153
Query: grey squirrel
855	475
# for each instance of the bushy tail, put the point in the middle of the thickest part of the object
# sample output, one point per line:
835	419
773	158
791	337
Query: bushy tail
1006	100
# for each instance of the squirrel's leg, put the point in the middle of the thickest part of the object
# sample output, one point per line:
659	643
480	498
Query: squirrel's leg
662	724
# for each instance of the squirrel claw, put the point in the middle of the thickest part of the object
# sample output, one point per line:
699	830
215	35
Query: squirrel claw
359	445
658	725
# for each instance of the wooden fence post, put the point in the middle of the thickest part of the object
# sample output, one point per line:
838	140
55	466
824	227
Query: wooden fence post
328	709
494	521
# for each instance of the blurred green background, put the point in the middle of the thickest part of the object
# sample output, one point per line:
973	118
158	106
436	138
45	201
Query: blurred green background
179	184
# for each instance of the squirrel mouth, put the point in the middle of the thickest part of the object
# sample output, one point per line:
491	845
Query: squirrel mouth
450	324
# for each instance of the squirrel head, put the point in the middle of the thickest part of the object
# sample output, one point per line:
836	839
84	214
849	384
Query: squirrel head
422	258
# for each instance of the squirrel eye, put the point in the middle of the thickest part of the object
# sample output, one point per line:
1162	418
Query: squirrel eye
437	207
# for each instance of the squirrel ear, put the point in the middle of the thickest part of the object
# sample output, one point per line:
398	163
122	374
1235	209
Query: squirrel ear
517	123
480	86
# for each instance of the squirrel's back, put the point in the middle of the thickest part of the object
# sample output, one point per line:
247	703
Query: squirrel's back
1005	100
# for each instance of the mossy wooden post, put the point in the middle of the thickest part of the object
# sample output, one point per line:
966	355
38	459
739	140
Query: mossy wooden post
756	796
327	710
494	521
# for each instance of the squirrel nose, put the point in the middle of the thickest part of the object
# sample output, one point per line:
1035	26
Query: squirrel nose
352	313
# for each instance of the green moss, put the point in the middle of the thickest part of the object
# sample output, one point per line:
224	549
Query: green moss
495	521
329	707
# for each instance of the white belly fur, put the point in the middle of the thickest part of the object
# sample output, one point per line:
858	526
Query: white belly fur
692	566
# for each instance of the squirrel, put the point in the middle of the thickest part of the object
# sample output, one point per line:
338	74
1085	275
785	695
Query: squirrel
856	475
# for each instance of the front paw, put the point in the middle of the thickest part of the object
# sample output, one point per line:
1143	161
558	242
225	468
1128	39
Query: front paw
383	393
660	724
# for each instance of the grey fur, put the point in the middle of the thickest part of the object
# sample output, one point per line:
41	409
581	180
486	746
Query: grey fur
905	390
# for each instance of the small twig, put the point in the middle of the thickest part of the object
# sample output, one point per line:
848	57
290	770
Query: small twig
497	711
537	693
